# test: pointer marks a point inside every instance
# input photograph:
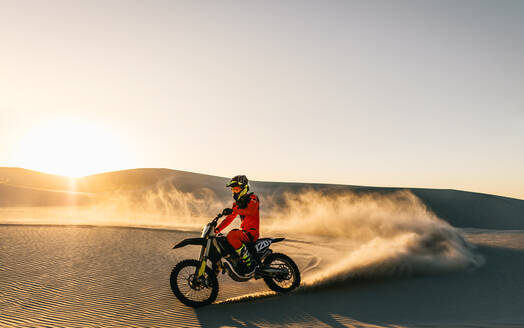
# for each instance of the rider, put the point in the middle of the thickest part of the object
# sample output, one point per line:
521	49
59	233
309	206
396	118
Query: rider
246	205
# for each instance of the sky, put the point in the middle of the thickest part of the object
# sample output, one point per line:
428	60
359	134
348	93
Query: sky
377	93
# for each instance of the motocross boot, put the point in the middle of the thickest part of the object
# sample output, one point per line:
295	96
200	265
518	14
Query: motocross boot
248	266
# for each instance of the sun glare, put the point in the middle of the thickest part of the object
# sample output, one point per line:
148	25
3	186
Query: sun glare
71	147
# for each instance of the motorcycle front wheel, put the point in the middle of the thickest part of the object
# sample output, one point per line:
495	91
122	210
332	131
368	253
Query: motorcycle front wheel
290	277
191	290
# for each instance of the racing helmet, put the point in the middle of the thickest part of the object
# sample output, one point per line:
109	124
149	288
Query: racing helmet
239	181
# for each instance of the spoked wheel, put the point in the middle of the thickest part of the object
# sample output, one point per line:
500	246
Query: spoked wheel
192	290
288	279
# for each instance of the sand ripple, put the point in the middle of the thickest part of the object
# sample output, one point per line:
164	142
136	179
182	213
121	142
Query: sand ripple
88	277
66	276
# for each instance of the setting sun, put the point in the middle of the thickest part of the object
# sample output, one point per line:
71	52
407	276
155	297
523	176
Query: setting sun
71	147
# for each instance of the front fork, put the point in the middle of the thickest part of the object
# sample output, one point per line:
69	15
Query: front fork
204	253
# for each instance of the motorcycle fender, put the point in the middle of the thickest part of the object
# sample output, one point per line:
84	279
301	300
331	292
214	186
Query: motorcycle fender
191	241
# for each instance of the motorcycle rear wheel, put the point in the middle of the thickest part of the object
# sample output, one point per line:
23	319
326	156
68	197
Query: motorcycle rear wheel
190	291
282	284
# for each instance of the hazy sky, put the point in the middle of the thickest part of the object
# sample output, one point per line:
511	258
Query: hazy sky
384	93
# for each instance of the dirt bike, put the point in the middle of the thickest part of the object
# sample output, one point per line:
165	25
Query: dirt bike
195	284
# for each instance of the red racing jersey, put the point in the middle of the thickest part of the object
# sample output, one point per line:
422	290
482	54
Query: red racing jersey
249	215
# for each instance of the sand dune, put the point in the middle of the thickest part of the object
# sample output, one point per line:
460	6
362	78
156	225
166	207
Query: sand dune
369	257
114	277
20	187
11	196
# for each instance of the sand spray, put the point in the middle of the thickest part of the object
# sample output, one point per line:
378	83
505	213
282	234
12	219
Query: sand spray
391	234
386	234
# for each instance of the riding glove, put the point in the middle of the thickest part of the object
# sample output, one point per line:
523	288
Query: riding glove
227	211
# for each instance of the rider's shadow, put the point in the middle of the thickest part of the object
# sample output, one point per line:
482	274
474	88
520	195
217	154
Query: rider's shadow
268	311
472	296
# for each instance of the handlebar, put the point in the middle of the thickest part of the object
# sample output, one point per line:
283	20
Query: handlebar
215	220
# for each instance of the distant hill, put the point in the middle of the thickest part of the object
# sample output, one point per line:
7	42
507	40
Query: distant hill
32	179
24	196
22	187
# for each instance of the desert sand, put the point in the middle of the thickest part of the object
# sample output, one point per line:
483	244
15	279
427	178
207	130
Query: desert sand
369	257
55	276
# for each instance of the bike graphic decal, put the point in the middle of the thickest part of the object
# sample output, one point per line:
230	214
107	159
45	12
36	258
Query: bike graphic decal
262	244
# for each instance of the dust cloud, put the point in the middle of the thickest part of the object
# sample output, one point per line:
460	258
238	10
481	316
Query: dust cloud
388	235
377	234
160	207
